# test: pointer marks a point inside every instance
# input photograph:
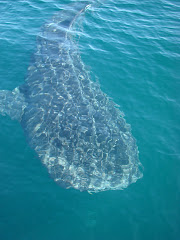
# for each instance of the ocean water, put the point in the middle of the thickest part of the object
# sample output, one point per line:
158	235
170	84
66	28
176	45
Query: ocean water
132	48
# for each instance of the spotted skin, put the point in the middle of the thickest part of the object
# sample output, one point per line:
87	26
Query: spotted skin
78	133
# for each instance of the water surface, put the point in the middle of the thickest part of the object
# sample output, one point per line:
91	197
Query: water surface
132	48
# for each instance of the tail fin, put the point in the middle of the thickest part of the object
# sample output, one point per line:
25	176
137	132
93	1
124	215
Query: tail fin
12	103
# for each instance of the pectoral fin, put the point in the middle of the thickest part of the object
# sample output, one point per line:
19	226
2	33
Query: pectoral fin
12	103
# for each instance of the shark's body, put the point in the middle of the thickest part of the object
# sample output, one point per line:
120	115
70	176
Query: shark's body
76	131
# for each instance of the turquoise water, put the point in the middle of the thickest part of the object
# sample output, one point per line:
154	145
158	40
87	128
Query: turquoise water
132	48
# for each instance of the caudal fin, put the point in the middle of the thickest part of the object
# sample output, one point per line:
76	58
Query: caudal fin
12	103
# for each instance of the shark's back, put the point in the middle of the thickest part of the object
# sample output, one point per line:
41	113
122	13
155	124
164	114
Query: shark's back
77	132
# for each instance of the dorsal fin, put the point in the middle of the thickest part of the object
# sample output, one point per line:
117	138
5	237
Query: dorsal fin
61	23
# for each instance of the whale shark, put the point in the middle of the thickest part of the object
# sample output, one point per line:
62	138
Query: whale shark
76	130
